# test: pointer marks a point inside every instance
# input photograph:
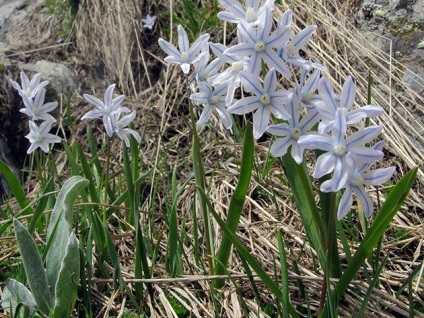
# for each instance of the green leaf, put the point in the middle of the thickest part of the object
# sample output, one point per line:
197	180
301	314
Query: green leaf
303	195
61	218
15	293
268	281
236	203
34	268
68	279
15	188
386	214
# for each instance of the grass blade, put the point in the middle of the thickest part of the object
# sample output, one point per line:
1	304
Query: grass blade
15	188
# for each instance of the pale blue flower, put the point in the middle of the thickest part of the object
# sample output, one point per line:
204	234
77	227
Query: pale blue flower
249	14
230	75
205	71
186	55
291	130
357	179
148	22
39	136
259	45
29	88
119	127
338	148
306	90
104	109
36	109
266	99
330	103
212	99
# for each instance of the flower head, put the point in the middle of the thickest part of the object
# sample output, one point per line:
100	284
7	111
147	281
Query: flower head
186	55
212	99
266	99
358	178
148	22
39	136
330	103
119	127
36	109
104	109
338	148
290	131
29	88
259	45
250	13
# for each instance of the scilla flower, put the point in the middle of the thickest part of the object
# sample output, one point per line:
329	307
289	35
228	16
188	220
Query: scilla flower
259	45
290	131
29	88
358	178
119	127
186	55
36	109
212	99
39	136
250	13
266	99
148	22
338	148
105	109
330	103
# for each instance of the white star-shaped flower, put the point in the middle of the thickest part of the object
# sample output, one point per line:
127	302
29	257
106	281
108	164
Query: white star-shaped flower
39	136
186	55
148	22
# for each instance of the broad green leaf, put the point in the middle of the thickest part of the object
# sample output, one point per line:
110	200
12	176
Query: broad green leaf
61	218
68	279
15	293
15	188
34	268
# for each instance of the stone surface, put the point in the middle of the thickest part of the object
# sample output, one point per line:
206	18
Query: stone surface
61	79
401	23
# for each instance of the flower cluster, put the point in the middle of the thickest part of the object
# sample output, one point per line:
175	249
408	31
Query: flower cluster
33	94
110	111
270	50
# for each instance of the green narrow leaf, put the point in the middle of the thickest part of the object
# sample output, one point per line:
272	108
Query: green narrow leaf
15	188
15	293
236	203
284	274
39	211
374	282
34	268
268	281
71	159
62	219
67	281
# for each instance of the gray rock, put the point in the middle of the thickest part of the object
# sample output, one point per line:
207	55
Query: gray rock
61	79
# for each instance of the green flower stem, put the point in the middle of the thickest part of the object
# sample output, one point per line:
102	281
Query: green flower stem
106	178
236	203
199	173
